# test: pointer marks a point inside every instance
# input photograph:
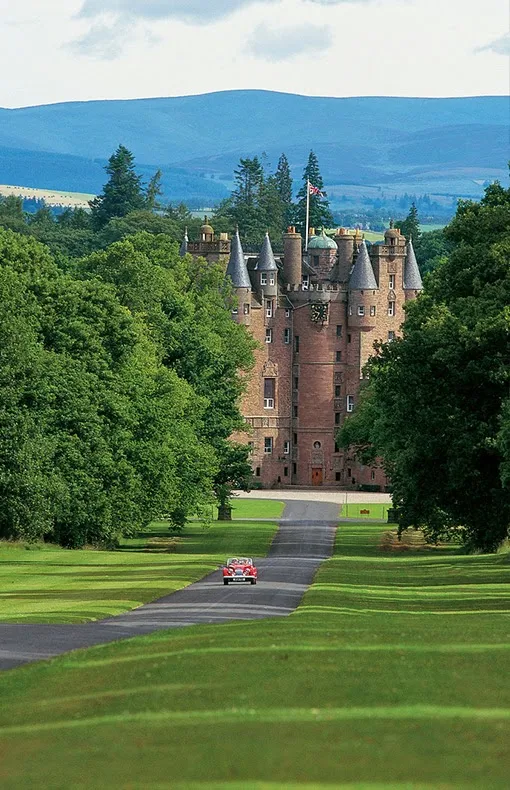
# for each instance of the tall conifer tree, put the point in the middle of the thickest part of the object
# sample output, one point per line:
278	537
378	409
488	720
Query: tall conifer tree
283	181
122	193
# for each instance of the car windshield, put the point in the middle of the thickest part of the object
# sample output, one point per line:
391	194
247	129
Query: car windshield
239	561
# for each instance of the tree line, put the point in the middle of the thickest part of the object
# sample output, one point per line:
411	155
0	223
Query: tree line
435	404
121	371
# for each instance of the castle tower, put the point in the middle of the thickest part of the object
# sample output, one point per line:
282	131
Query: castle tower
412	278
266	272
345	244
206	232
322	252
292	257
238	273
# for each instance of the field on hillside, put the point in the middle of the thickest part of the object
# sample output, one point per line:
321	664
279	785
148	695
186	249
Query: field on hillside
391	675
51	197
48	584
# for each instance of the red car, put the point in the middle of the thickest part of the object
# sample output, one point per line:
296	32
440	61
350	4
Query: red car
239	569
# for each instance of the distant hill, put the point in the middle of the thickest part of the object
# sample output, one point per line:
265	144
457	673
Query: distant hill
197	140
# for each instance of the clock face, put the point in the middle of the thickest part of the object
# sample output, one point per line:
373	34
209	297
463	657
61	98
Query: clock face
319	313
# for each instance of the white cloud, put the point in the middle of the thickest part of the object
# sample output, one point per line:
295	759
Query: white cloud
191	11
501	46
276	44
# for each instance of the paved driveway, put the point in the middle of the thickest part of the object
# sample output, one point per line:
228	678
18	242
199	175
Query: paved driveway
304	539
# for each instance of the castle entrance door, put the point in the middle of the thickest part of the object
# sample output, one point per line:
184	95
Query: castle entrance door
317	475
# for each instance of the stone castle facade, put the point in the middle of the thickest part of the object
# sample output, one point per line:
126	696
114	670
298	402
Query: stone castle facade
316	316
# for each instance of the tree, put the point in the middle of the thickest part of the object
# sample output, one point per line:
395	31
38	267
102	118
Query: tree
320	214
154	191
436	405
283	180
121	194
410	226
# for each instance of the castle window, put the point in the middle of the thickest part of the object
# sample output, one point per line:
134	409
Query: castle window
269	308
294	439
269	335
286	448
269	393
286	336
306	282
263	278
338	356
287	312
350	309
296	382
391	335
337	390
372	475
337	418
294	469
257	471
391	308
348	338
296	344
285	471
246	309
234	311
339	331
295	410
350	403
268	445
337	447
392	282
271	279
361	309
337	477
349	471
372	310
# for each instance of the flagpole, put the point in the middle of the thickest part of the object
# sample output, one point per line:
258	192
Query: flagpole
307	213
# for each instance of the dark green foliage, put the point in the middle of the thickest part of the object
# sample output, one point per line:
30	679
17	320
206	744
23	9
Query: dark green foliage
432	250
122	193
283	180
410	226
320	215
119	388
436	406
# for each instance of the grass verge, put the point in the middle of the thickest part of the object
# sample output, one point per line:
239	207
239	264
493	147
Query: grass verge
53	585
390	675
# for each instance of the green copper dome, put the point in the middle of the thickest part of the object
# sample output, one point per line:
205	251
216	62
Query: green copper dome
322	242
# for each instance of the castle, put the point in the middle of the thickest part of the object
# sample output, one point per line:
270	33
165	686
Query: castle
316	316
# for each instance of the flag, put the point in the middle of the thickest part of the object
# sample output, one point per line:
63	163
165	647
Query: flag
315	190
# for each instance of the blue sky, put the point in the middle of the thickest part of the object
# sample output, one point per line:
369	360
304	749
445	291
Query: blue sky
61	50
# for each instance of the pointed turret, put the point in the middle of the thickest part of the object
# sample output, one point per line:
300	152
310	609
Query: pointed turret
412	276
184	244
237	269
266	261
266	270
362	276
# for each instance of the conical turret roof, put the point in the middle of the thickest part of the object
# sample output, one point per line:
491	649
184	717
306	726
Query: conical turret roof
184	244
362	276
237	269
412	276
266	262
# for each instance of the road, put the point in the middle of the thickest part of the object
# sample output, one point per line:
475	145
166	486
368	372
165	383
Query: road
304	539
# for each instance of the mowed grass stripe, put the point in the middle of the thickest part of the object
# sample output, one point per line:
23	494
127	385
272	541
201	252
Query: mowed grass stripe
270	715
264	650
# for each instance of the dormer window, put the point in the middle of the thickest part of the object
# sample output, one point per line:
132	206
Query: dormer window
263	278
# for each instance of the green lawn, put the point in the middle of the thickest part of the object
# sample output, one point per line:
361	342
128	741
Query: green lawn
391	675
53	585
374	510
